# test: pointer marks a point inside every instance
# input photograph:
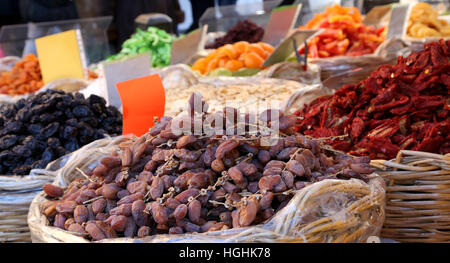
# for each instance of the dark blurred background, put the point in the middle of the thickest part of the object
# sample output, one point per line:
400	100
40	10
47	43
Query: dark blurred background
185	14
123	12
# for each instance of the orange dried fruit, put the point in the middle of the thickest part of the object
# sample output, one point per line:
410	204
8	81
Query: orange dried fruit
253	60
255	48
234	65
266	47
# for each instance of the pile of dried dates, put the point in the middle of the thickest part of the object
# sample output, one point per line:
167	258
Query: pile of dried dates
45	126
164	182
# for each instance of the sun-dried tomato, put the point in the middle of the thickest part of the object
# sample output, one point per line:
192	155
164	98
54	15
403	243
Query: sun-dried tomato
402	106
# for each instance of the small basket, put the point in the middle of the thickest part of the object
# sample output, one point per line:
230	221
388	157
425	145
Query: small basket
17	192
418	197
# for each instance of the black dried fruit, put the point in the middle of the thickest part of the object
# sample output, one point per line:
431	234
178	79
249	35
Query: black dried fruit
47	118
13	126
71	145
22	170
69	132
50	130
34	128
50	124
7	141
81	111
47	155
245	30
21	150
53	143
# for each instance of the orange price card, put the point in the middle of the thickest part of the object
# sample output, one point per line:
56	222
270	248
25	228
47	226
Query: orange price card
143	99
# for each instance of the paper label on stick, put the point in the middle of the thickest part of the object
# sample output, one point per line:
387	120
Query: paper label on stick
377	15
286	48
399	21
143	99
188	46
61	56
282	21
115	72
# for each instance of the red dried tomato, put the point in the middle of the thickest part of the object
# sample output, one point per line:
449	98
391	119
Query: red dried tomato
402	106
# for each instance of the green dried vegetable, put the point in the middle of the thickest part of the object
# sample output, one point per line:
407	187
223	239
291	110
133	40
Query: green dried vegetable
153	40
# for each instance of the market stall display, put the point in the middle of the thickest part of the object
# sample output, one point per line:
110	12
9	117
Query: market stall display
234	57
359	145
163	183
423	22
344	34
245	30
399	107
153	40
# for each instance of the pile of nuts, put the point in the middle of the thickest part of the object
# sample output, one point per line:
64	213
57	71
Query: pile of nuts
167	182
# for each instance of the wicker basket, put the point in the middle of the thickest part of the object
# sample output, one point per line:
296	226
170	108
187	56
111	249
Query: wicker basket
326	211
17	192
418	197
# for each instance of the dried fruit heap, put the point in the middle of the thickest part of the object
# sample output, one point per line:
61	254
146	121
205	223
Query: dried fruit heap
403	106
24	77
168	183
245	30
45	126
344	34
424	22
234	57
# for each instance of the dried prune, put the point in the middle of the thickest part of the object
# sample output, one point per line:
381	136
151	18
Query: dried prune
47	155
49	130
7	141
81	111
53	143
34	128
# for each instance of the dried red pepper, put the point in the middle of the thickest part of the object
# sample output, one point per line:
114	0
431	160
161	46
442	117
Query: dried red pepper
402	106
